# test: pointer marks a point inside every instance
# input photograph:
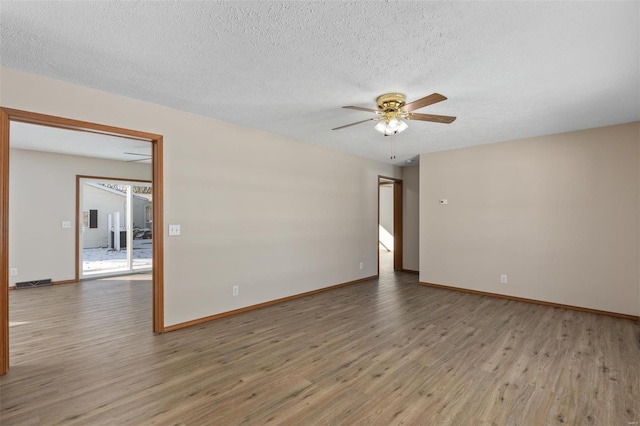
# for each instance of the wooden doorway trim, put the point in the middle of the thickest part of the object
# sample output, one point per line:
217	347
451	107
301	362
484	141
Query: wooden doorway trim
397	220
4	242
6	116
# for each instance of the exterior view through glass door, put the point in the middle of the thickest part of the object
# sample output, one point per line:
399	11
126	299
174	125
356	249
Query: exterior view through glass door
115	226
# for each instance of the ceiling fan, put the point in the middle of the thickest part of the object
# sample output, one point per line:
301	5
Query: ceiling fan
393	110
147	157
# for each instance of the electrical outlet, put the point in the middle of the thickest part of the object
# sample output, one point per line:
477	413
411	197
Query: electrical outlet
236	290
174	230
503	279
14	272
66	224
361	265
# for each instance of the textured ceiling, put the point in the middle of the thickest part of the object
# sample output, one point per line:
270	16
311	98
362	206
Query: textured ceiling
510	69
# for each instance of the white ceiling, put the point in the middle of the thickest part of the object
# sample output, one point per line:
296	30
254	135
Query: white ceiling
510	69
62	141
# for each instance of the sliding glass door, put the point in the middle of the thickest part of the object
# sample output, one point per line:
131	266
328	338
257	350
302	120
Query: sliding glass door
115	227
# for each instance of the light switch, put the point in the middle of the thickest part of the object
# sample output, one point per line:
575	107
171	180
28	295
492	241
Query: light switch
66	224
174	230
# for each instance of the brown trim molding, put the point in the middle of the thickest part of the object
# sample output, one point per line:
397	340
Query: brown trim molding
4	242
6	116
263	305
537	302
83	126
64	282
410	271
157	206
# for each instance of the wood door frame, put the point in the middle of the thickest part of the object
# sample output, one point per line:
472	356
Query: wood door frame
397	221
78	179
6	116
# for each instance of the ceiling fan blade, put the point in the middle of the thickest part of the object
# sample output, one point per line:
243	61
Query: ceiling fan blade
135	153
423	102
139	159
362	109
432	117
357	122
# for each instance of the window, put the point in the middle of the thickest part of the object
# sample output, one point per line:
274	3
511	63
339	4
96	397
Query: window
93	218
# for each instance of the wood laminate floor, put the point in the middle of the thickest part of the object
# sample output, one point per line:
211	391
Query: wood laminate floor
381	352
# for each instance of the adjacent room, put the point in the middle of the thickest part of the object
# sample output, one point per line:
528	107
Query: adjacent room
82	178
320	212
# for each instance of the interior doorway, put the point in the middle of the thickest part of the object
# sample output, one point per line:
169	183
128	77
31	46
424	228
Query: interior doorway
11	116
389	224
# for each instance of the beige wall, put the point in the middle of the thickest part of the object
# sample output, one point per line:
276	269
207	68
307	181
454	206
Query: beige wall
386	208
275	216
558	214
42	194
411	218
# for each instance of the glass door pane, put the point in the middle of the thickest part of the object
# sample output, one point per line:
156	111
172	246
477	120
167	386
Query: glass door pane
106	216
142	216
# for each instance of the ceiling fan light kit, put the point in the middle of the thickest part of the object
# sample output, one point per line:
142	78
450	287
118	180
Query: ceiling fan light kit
391	126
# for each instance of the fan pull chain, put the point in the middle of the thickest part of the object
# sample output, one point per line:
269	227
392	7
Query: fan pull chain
393	146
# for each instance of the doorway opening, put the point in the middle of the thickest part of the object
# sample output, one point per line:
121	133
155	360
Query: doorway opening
116	218
11	117
389	224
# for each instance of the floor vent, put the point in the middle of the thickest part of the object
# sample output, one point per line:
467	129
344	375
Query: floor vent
32	284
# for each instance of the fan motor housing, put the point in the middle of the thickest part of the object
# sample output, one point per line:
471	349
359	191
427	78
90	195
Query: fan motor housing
391	102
